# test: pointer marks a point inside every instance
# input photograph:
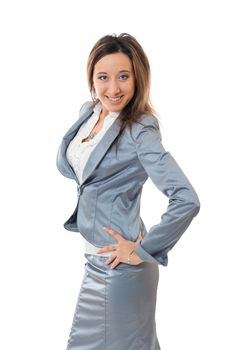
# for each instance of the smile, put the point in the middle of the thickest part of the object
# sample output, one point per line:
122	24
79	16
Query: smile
115	99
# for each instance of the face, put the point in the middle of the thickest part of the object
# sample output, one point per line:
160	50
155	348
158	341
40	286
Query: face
114	81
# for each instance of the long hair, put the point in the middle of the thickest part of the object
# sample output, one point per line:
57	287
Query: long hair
140	102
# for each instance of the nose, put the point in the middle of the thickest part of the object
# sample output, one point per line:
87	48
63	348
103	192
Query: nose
113	88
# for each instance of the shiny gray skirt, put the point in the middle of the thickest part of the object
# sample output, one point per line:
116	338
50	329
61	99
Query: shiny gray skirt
116	307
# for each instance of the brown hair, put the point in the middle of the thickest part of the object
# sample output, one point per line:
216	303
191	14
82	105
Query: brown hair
140	102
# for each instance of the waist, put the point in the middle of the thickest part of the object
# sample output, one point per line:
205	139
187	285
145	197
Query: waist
92	249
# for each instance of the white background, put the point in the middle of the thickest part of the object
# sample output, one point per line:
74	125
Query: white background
44	48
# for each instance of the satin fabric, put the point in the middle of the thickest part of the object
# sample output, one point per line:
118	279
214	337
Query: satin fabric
112	183
116	307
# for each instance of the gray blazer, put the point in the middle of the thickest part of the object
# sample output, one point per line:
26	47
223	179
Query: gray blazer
111	190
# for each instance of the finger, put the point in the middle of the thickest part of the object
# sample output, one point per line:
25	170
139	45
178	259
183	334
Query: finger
107	249
115	263
110	259
113	233
139	237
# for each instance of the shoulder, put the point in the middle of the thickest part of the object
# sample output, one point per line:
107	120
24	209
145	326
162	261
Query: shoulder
145	125
86	106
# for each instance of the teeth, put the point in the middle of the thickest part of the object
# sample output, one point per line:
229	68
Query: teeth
114	98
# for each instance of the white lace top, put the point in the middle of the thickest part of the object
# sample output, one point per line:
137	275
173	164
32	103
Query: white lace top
78	153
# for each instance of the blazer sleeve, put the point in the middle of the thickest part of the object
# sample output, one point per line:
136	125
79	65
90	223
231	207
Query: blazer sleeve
168	177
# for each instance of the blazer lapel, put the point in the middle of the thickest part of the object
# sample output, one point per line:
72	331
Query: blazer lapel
62	160
101	148
97	153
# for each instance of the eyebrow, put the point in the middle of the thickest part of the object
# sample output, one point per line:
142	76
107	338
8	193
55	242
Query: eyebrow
121	71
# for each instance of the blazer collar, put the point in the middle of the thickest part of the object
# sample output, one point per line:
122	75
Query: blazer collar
99	150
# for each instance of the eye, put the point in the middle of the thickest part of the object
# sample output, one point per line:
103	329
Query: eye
102	77
124	77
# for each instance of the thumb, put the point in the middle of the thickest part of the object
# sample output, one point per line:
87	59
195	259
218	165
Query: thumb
139	238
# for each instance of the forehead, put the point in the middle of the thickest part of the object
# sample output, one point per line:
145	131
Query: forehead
113	63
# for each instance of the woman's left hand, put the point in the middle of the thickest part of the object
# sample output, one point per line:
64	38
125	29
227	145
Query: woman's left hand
121	250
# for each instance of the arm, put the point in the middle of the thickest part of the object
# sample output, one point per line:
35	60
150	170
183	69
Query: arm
168	177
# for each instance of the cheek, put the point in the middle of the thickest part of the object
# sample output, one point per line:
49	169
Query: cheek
131	89
99	89
96	84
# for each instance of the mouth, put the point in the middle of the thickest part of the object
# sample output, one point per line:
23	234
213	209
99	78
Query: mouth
115	99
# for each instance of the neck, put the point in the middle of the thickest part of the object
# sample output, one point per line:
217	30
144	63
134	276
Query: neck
102	115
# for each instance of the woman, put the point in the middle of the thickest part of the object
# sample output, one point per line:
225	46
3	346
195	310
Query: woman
110	152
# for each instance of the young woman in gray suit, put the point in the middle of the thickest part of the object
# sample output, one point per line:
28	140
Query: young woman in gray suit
110	151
